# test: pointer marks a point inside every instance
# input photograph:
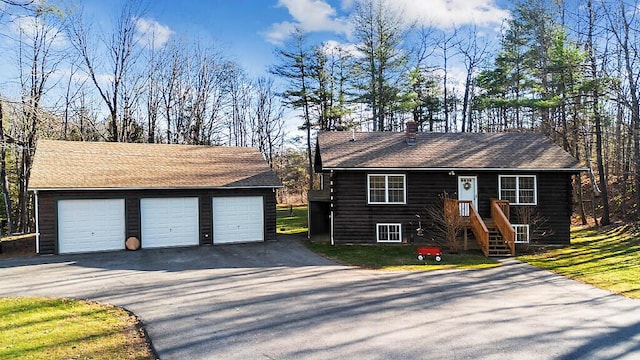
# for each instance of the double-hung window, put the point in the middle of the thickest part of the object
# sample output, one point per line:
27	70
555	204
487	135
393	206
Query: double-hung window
386	189
388	232
518	189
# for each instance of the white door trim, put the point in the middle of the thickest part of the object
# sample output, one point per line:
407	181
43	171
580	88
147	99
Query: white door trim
462	180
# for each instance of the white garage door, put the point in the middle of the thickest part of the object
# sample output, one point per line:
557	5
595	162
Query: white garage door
238	219
90	225
169	222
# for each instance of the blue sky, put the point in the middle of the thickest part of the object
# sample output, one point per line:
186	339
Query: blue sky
250	30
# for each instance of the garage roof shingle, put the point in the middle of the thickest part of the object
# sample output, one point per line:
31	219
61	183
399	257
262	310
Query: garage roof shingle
522	151
106	165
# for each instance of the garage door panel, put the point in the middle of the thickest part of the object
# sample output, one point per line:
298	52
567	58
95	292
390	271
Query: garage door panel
90	225
238	219
169	222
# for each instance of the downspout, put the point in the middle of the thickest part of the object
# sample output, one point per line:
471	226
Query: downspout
37	223
309	216
331	206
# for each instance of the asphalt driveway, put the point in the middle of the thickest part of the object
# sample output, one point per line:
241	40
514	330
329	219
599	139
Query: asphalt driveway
279	301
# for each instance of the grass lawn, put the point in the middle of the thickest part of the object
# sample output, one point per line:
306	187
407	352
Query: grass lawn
386	257
606	258
43	328
288	224
401	257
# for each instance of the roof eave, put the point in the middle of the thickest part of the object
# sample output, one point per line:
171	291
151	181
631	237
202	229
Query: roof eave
155	188
337	168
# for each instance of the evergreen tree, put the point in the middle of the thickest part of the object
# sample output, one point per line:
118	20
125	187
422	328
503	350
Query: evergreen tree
379	34
296	68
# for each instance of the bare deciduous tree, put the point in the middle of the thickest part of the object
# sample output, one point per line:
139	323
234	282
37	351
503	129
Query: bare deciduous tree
39	56
538	224
623	24
474	51
446	221
267	121
122	55
448	42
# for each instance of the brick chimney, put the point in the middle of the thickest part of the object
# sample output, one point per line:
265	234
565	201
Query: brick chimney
411	129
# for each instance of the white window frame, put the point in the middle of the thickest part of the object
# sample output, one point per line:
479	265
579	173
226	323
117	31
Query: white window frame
386	189
515	228
389	225
517	177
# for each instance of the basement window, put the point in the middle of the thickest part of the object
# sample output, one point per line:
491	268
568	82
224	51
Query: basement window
388	233
522	233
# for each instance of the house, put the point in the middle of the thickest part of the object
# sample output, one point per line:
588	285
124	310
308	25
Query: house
509	187
92	196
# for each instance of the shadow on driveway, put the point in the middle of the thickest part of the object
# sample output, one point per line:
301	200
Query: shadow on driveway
287	251
279	300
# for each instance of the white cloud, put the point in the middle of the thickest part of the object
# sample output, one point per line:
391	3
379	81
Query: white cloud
448	13
347	4
32	27
279	32
331	46
152	33
318	15
310	16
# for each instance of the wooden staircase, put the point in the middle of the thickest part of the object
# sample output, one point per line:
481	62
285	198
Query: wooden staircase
496	236
497	246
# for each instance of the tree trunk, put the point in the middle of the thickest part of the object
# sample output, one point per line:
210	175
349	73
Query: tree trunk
465	102
597	118
3	175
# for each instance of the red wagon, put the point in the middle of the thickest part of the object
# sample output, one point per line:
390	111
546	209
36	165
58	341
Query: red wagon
423	252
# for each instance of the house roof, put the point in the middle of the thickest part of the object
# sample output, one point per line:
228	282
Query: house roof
373	150
105	165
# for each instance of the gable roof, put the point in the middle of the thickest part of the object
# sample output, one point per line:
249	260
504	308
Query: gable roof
105	165
478	151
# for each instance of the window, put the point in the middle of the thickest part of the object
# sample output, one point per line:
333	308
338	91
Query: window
522	233
518	189
386	189
388	232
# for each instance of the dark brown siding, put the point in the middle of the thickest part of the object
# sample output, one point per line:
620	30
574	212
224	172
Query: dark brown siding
132	212
47	208
355	220
206	223
555	205
47	211
270	211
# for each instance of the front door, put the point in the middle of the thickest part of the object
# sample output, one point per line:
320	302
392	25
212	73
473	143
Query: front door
468	190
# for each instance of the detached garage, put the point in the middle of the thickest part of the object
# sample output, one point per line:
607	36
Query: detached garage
93	196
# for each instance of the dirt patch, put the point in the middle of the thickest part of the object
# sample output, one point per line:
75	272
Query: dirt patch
18	248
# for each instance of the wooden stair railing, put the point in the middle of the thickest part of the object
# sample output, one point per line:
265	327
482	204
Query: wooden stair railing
500	216
465	209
